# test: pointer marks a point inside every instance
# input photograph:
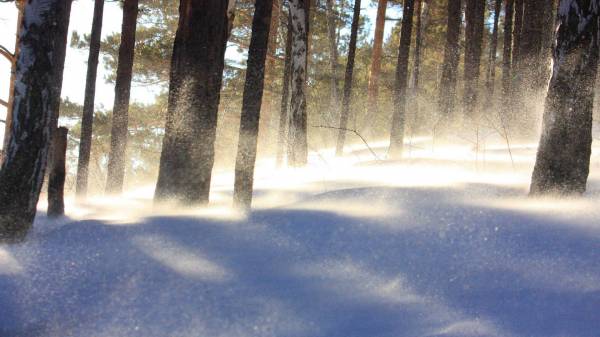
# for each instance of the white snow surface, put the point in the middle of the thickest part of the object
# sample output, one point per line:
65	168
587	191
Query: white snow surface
433	245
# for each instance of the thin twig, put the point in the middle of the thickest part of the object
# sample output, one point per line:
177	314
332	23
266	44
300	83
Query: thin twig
353	131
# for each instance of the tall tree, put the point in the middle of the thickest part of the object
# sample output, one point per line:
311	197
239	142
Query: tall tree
401	83
507	56
373	88
491	69
36	93
253	91
517	33
333	55
447	93
531	45
85	140
120	118
563	157
474	15
297	133
8	123
416	73
285	94
339	149
197	64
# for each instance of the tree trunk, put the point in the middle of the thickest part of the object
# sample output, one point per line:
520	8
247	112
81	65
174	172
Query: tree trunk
517	34
197	64
13	70
373	88
119	131
399	115
56	177
531	45
253	91
333	58
421	12
285	95
87	119
36	93
447	93
474	15
297	137
491	71
265	126
507	58
563	157
339	149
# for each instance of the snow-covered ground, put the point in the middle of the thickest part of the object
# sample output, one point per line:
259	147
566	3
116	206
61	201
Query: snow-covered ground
435	245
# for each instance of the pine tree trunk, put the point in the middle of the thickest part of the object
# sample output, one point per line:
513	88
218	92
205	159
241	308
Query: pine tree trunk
416	73
373	88
297	137
119	131
285	95
197	64
333	58
401	83
507	58
491	71
339	149
36	93
87	119
57	173
563	158
517	34
251	103
474	15
531	45
447	93
265	126
13	69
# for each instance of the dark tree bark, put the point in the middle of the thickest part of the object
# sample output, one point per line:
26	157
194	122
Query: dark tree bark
56	177
7	125
36	94
339	149
474	14
85	140
197	64
285	95
507	57
333	57
119	131
251	103
401	83
447	93
531	60
517	34
373	88
297	133
491	71
563	157
416	73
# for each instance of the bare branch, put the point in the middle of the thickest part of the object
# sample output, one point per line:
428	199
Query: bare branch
353	131
7	54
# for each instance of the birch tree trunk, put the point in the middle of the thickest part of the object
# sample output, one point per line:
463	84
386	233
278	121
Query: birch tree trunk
87	119
119	131
251	104
297	137
373	88
197	64
401	84
447	93
339	149
285	95
563	158
13	69
36	94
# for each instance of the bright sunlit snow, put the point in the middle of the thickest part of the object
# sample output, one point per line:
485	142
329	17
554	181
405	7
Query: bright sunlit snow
438	245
